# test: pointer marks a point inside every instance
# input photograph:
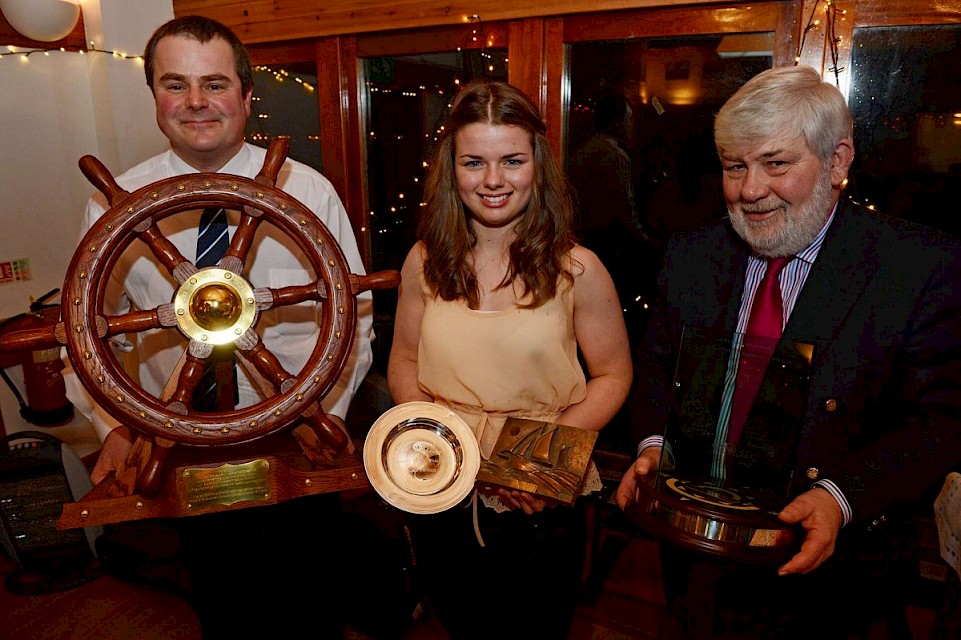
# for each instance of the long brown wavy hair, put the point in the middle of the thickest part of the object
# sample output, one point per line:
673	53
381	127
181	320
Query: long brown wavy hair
545	236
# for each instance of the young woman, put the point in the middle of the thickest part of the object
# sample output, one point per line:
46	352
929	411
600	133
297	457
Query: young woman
498	307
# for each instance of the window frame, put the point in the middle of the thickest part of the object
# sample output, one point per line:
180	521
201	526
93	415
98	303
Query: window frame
537	49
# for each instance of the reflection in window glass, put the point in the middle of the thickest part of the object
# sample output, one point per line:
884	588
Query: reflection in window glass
408	96
285	104
906	101
640	151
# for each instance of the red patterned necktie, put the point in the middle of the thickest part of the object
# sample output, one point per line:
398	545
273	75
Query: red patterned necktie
761	336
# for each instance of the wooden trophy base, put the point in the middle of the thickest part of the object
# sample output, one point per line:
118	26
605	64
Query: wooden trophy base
200	480
704	517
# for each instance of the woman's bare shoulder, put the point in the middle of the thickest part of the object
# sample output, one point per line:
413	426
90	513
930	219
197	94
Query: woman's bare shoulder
586	262
416	256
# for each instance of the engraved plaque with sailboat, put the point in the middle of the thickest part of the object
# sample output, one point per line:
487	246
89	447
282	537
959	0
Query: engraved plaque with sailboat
547	459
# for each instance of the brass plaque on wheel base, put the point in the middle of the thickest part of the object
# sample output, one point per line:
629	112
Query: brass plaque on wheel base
226	485
201	481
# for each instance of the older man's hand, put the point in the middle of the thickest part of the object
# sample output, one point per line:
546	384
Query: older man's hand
627	490
819	514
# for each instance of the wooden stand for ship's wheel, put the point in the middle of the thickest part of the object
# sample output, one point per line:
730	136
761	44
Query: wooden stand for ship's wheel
188	463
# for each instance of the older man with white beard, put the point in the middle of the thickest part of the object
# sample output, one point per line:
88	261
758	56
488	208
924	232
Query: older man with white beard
880	301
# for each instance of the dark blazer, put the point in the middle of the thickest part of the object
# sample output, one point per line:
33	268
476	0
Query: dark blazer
882	306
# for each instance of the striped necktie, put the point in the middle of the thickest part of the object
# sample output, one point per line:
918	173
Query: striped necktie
217	389
212	238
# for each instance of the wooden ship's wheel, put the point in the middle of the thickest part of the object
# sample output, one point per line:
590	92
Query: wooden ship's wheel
227	458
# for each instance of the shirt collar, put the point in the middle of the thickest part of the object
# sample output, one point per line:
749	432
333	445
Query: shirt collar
809	253
234	166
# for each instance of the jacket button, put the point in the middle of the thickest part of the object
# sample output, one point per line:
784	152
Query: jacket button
831	404
812	473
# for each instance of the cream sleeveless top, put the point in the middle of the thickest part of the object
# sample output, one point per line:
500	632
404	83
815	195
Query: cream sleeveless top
490	365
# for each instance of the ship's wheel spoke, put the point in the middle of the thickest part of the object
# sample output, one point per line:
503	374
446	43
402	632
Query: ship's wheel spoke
211	306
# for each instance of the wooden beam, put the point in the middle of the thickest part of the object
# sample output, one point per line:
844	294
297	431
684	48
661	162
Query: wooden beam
269	20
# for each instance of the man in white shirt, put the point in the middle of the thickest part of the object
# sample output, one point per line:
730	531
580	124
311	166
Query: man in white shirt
203	109
247	567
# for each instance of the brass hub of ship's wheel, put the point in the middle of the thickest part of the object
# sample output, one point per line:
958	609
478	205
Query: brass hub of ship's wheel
215	306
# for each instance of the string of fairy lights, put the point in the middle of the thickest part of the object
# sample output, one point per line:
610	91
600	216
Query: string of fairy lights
282	76
831	13
24	53
390	214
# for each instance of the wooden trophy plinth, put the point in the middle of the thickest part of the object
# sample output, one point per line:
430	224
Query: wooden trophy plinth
198	481
705	517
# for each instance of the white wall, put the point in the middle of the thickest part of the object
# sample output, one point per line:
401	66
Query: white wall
54	109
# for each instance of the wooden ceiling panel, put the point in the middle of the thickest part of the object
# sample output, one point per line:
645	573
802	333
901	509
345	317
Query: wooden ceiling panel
269	20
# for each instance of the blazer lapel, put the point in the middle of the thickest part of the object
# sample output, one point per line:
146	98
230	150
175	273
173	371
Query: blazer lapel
837	279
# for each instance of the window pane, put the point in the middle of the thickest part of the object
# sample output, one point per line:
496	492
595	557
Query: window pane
640	153
906	101
407	97
644	109
285	104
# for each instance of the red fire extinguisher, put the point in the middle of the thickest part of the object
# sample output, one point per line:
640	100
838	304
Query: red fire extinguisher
46	403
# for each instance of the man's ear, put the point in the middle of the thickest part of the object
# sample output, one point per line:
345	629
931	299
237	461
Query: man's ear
841	161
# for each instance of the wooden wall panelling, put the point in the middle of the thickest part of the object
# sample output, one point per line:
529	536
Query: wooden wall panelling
536	55
495	35
844	32
786	33
333	117
816	39
811	30
557	84
267	20
354	106
683	21
272	53
884	13
337	100
525	53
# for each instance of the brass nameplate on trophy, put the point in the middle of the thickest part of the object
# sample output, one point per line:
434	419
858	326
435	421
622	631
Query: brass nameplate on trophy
546	459
226	484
